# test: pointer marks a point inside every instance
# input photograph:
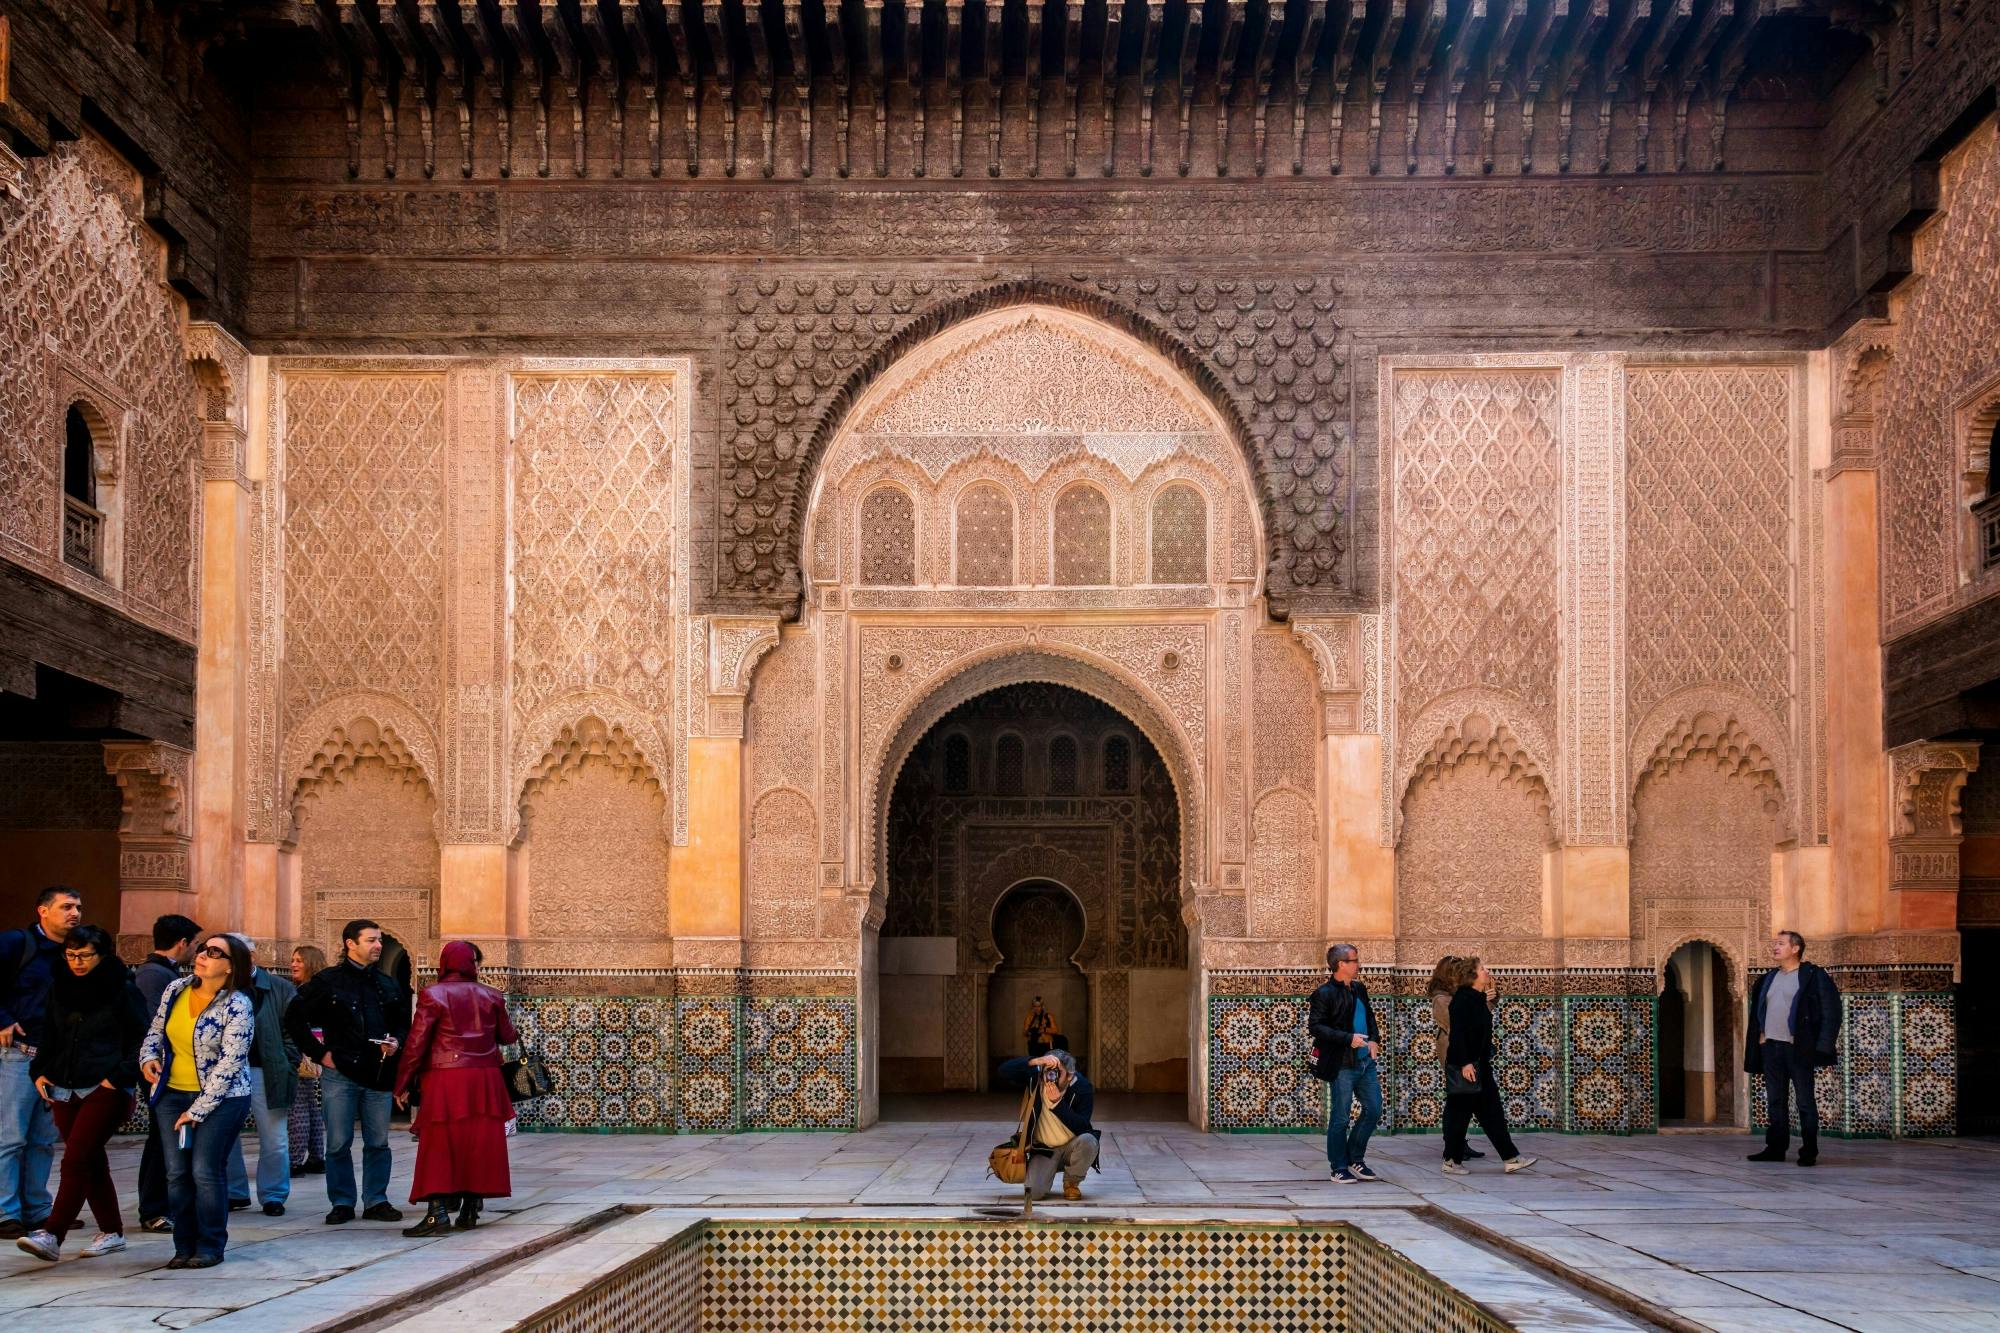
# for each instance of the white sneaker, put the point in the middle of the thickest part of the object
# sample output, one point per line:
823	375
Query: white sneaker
1514	1164
107	1242
1457	1169
41	1244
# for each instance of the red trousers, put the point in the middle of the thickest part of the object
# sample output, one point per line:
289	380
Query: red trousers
86	1125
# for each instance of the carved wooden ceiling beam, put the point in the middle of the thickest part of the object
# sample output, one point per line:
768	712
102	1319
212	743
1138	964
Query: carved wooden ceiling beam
1460	65
1508	25
1107	78
1628	23
1304	53
1344	28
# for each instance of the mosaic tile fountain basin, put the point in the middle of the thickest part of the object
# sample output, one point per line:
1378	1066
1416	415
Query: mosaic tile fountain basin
898	1275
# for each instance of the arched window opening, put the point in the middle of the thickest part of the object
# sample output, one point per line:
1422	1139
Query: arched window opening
888	538
1987	511
1062	766
83	521
957	764
1009	766
1117	764
1180	536
985	537
1082	537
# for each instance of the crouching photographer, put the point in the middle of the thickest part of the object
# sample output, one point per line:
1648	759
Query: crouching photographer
1060	1135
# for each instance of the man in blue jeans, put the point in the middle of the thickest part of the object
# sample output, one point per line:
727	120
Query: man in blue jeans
1347	1048
351	1020
274	1081
28	959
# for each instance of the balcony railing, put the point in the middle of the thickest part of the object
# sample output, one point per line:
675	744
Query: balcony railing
1987	514
83	536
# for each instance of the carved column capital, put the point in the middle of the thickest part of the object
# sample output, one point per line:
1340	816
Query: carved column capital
1861	360
222	370
1338	645
13	175
1926	779
154	781
735	645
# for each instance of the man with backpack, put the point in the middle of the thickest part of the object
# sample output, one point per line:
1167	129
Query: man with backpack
28	961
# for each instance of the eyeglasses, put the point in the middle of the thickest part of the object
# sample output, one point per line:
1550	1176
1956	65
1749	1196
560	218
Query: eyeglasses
216	952
80	957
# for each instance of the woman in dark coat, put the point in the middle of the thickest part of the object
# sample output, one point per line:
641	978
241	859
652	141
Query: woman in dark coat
86	1068
461	1121
1469	1054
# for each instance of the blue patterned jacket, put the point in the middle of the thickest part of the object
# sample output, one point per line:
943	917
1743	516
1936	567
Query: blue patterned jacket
221	1047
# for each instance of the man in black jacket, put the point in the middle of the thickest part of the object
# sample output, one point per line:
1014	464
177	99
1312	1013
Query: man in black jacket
1060	1135
173	946
1794	1029
1347	1045
351	1020
28	962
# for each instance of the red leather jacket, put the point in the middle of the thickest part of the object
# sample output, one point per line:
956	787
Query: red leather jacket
459	1025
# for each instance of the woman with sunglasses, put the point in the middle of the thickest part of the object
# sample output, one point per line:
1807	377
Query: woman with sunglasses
197	1057
85	1069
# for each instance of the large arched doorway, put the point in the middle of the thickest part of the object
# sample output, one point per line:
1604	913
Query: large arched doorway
1032	847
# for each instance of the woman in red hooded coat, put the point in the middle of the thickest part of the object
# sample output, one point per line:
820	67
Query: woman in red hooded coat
461	1123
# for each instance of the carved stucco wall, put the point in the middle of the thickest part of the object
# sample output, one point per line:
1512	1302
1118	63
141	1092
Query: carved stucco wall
384	545
1469	872
1475	474
781	764
367	847
1947	326
1701	862
597	856
1716	469
1279	381
363	554
1283	892
87	316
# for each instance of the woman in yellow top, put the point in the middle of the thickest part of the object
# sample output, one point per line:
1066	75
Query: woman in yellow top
197	1057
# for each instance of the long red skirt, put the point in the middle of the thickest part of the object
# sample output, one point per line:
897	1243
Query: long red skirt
461	1130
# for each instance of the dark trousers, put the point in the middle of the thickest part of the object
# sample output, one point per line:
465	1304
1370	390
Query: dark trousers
87	1124
198	1175
1460	1108
1789	1070
152	1179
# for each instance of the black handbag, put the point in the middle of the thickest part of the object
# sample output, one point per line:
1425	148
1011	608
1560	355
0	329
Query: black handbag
527	1077
1456	1084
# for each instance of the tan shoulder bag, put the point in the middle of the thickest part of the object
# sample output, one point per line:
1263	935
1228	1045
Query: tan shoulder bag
1009	1161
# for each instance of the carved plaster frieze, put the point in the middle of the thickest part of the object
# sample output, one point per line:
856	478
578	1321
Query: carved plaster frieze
1743	738
1473	720
341	732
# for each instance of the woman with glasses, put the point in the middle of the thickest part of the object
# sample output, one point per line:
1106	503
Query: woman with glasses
461	1123
85	1069
197	1057
307	1126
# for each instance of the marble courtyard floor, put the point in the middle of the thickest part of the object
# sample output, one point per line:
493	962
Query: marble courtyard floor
1881	1235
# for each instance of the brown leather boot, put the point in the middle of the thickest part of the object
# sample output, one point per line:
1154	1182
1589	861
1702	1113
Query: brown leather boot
1072	1190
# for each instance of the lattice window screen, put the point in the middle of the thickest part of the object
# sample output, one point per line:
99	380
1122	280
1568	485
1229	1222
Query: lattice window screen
1117	764
1062	766
1083	536
1009	765
1180	536
957	764
985	537
888	538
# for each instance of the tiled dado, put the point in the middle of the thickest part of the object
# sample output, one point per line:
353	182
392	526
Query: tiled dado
1898	1070
698	1053
1581	1063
